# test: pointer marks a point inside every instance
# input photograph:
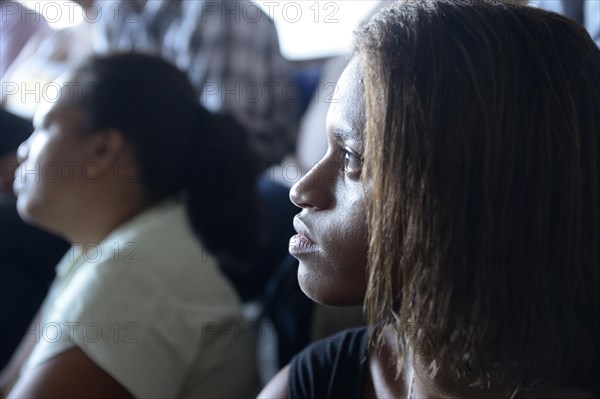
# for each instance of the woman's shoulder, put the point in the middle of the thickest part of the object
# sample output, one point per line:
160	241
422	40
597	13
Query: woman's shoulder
160	247
349	342
151	262
332	367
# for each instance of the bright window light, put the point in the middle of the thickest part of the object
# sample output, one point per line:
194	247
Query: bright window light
307	28
316	28
59	14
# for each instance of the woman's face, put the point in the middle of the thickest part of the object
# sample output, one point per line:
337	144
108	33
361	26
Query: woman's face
331	243
52	166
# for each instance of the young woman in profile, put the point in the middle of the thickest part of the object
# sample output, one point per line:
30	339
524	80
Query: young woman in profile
460	200
150	188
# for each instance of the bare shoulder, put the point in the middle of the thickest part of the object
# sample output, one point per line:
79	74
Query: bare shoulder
70	374
277	388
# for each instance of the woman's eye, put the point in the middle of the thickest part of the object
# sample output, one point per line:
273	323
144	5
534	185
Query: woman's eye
352	164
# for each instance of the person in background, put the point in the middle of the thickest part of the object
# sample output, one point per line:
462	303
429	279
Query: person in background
150	190
17	25
27	254
462	206
47	54
231	54
230	51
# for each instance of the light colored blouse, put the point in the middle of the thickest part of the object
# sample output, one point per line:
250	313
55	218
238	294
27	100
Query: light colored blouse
150	307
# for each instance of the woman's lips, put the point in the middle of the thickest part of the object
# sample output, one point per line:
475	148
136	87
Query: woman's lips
17	185
301	243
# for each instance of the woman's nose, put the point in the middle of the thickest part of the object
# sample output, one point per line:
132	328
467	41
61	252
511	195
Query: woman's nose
313	190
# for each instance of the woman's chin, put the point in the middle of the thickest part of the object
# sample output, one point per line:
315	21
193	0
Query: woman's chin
328	291
23	207
31	213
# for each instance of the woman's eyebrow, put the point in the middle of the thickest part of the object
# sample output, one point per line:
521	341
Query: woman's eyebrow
344	134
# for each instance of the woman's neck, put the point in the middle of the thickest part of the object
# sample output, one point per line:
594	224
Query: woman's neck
384	381
104	219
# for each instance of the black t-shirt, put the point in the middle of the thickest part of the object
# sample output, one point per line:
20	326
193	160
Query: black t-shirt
332	368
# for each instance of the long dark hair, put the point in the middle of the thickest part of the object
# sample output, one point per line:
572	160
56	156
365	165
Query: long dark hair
483	151
180	146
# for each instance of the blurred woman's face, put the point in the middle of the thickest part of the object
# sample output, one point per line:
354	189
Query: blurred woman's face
52	166
331	243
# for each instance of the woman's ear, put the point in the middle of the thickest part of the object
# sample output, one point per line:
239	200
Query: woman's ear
108	148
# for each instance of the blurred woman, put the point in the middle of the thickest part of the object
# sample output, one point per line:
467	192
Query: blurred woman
149	188
460	199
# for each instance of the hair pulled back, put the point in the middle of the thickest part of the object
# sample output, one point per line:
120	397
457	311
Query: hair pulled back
180	146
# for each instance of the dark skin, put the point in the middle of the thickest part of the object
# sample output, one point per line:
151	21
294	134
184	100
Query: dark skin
82	210
331	243
332	202
57	376
70	374
332	199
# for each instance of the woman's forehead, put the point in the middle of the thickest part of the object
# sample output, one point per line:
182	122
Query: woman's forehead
350	84
347	110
